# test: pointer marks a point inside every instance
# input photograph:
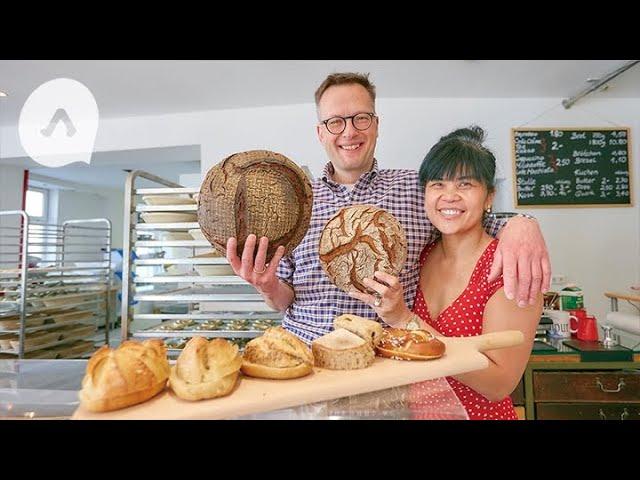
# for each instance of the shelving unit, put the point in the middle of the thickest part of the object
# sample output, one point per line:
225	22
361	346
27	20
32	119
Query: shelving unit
208	305
55	284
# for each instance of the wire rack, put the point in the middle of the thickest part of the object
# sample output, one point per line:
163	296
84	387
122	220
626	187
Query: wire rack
55	284
171	276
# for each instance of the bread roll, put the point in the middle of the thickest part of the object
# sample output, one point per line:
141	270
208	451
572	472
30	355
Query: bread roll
342	350
368	330
240	195
359	240
117	378
205	369
403	344
277	354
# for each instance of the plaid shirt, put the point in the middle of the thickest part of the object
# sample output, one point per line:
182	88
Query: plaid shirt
318	301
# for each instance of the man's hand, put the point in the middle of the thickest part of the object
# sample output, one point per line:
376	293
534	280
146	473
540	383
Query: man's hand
523	259
262	276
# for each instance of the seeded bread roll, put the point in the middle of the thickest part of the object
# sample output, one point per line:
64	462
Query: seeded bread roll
359	240
259	192
277	354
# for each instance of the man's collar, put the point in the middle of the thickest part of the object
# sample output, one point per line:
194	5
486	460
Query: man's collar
327	173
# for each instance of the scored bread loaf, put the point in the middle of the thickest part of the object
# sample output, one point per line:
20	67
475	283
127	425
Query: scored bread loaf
358	241
117	378
240	194
342	350
368	330
205	369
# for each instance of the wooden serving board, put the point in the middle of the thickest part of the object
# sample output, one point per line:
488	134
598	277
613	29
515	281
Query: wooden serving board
255	395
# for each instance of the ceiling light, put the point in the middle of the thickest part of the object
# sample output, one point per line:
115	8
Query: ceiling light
3	94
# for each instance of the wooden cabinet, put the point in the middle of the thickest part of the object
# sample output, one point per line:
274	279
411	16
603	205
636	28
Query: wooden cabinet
587	411
591	386
577	390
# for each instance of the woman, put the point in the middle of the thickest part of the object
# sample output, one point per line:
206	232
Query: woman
454	298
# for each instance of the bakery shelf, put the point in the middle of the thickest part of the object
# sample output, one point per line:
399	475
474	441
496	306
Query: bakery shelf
48	345
168	226
167	208
161	266
53	273
163	190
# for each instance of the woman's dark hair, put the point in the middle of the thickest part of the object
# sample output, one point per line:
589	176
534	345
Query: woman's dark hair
460	153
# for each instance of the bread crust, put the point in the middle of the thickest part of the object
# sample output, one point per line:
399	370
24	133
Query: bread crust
239	195
277	354
402	344
116	403
276	373
358	241
205	369
130	374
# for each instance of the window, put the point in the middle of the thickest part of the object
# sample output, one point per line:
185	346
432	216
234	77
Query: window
37	204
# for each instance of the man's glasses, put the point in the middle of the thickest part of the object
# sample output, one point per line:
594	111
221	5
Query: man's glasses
360	121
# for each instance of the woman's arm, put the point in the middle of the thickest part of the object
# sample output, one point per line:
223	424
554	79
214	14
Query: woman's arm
506	365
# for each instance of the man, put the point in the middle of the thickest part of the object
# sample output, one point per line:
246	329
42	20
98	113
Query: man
348	130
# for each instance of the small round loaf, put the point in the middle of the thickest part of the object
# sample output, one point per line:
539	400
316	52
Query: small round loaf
205	369
259	192
277	354
130	374
402	344
358	241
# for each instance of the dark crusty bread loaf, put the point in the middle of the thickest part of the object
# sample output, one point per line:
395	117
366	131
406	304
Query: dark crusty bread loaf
259	192
359	240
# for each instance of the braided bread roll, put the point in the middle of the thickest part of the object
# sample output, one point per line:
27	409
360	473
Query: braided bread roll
359	240
259	192
117	378
205	369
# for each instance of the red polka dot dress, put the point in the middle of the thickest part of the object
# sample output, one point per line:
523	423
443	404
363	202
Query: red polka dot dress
463	318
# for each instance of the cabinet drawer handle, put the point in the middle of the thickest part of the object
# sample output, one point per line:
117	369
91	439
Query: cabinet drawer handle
602	415
624	415
620	385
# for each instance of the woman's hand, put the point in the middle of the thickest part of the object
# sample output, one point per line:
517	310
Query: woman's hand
388	302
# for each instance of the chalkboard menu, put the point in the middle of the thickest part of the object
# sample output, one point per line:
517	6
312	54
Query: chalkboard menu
572	167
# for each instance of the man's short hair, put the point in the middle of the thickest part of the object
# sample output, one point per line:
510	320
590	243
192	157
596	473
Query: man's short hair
347	78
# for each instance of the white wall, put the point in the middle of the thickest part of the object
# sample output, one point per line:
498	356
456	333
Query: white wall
596	247
74	205
11	181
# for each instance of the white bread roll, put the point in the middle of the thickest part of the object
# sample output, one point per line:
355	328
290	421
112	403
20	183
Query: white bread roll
117	378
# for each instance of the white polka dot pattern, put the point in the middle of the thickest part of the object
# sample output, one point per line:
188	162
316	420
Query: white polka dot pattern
477	293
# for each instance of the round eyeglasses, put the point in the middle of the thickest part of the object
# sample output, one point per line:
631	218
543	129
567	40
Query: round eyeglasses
360	121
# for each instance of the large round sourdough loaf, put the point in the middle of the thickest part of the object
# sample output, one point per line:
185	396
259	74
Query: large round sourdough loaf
259	192
359	240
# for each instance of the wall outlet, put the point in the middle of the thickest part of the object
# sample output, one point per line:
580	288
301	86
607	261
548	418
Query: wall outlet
558	279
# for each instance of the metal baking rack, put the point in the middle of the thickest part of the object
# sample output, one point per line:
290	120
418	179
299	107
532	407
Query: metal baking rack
49	272
148	286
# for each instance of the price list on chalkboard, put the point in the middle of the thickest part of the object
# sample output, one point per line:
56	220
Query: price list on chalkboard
572	167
